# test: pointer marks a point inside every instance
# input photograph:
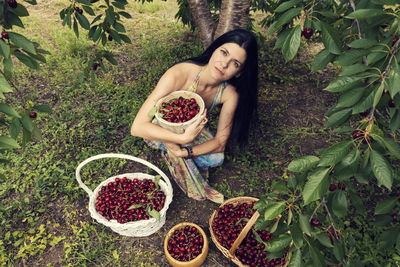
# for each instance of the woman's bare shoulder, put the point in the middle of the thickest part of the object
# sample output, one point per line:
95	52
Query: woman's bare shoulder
183	69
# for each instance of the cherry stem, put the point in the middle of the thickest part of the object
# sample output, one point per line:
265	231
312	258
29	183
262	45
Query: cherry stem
330	218
316	209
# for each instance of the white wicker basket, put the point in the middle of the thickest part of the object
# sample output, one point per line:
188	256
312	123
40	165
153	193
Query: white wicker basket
135	228
174	126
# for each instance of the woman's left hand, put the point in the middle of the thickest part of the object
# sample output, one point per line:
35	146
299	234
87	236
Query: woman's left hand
175	149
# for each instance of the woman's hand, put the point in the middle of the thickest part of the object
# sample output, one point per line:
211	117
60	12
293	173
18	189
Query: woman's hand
175	149
193	130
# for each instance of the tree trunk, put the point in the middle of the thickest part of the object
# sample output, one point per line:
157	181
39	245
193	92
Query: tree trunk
234	14
201	15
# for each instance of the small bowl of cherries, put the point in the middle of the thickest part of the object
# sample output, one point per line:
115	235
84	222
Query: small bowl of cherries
186	245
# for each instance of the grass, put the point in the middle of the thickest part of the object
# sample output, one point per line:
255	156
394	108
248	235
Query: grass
43	211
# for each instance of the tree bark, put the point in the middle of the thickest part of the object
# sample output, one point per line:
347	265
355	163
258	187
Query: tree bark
234	15
201	15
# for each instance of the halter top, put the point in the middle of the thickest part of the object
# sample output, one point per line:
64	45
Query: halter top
217	98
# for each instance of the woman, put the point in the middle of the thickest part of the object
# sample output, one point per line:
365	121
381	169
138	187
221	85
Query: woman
226	74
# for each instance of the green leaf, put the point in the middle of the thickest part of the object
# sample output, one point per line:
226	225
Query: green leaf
4	85
366	13
324	240
76	29
27	60
351	159
351	57
110	58
96	34
32	2
338	250
316	256
22	42
343	84
322	59
303	164
278	244
392	146
305	224
13	19
381	169
339	203
43	108
9	110
282	36
153	213
274	209
357	202
334	154
385	2
125	14
20	10
119	27
36	132
88	10
375	57
135	206
27	123
118	5
295	259
83	21
316	185
353	69
8	143
350	97
285	18
115	36
274	226
338	118
385	206
330	38
395	121
363	43
15	128
286	5
394	81
125	38
4	49
364	104
26	136
297	234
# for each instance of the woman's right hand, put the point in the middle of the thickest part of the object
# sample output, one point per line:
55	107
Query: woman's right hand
194	129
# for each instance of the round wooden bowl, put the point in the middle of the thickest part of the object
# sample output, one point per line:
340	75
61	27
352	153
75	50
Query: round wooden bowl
196	261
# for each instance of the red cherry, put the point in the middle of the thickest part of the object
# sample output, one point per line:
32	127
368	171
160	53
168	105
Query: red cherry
342	186
315	222
332	187
4	35
12	3
33	114
307	33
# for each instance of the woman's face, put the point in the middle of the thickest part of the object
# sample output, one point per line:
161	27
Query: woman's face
227	61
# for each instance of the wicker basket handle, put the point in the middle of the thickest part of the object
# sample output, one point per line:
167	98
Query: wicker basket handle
244	232
121	156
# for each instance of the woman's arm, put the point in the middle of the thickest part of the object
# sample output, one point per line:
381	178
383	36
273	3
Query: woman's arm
174	79
217	144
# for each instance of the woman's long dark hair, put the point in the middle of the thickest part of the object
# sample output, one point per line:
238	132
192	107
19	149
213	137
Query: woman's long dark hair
246	84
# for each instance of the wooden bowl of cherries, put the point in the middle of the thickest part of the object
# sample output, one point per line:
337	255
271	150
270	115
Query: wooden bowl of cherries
186	245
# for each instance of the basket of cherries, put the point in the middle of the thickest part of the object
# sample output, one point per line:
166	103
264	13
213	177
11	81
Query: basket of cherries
230	229
131	204
178	110
186	245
